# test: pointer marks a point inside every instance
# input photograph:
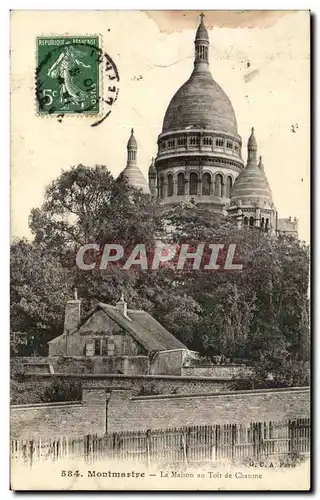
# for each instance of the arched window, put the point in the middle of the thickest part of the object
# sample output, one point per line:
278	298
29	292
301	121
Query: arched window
206	184
229	186
251	221
181	183
245	221
218	185
193	185
267	224
170	184
161	187
219	143
262	223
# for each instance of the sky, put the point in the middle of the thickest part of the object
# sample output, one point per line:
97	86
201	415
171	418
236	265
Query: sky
261	60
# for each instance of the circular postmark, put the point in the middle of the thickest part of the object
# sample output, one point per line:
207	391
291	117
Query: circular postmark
74	76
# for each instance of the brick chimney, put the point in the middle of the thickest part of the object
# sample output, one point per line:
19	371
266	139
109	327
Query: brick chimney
121	305
72	314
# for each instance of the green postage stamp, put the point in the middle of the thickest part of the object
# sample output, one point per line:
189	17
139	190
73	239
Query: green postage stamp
67	75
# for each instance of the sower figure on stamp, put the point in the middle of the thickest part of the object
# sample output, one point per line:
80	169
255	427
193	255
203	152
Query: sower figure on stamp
64	68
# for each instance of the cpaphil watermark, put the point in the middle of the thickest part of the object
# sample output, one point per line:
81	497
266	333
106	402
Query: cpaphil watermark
206	256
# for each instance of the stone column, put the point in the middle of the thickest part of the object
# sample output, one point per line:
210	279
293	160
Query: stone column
239	218
186	185
258	217
165	188
175	186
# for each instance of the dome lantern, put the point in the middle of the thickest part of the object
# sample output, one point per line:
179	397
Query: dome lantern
252	148
201	59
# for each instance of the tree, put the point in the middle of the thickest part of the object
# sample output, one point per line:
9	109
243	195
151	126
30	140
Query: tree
241	314
273	283
87	205
39	289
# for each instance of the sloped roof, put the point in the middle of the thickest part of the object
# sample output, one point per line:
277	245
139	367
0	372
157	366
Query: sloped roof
143	328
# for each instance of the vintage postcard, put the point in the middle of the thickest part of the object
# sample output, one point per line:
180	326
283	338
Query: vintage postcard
160	284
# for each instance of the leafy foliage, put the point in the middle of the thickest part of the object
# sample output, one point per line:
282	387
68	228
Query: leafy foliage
40	287
256	314
62	390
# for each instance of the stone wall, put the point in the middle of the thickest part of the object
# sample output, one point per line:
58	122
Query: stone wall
128	365
53	420
158	384
156	412
104	410
216	371
163	363
168	362
32	387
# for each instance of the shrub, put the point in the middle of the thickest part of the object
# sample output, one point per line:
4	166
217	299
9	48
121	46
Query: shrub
62	390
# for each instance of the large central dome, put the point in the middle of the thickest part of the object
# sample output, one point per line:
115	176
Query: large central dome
200	103
199	148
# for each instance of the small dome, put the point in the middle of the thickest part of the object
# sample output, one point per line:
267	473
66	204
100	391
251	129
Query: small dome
200	103
132	143
252	186
135	178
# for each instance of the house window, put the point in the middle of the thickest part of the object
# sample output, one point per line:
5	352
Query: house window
267	224
236	147
126	346
219	143
170	185
245	221
162	146
111	346
181	183
104	347
97	347
171	144
229	145
90	347
262	223
193	187
206	184
251	223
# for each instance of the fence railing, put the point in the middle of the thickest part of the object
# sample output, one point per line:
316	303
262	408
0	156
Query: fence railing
185	445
